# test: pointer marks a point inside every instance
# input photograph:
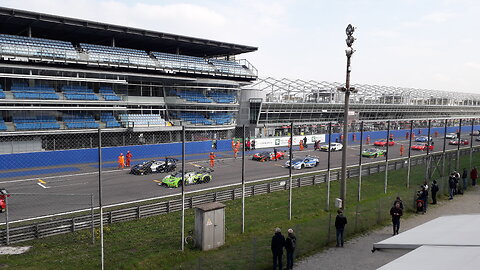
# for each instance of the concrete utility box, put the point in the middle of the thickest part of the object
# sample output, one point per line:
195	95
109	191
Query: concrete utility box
210	225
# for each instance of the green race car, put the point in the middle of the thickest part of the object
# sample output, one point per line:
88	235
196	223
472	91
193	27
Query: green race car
373	152
191	178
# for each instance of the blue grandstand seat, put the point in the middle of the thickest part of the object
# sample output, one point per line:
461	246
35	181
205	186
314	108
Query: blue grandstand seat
108	94
220	97
183	62
35	122
230	67
79	121
117	55
23	91
193	96
110	120
78	92
221	118
193	117
3	127
37	47
2	94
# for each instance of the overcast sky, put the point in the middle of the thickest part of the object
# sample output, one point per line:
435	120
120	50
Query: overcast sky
430	44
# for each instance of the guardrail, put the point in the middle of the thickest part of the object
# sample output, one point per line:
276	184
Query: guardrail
257	187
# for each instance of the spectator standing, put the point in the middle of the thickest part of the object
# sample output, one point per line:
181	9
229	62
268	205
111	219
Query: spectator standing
396	212
340	222
305	142
457	181
121	161
424	197
275	154
434	189
290	245
464	178
128	158
278	243
399	201
474	176
214	144
407	135
253	144
451	185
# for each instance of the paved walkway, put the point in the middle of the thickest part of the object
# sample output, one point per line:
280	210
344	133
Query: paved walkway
357	252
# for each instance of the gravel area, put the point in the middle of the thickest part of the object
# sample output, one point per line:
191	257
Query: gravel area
357	252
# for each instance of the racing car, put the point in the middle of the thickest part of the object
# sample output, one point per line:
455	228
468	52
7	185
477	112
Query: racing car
423	139
457	141
155	166
3	196
333	147
383	142
373	152
191	177
266	156
422	147
451	136
306	162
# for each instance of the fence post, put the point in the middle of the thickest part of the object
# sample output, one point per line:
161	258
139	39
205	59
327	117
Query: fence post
168	206
138	212
73	224
92	218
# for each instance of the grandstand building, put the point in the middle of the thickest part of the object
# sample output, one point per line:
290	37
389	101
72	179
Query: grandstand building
269	105
62	76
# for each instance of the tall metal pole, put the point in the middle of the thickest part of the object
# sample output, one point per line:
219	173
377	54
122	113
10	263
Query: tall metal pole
386	158
349	51
93	218
328	163
183	187
409	154
243	179
290	175
100	206
359	197
458	145
7	224
444	147
471	144
428	162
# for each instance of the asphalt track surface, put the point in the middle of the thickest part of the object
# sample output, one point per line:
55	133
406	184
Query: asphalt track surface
61	192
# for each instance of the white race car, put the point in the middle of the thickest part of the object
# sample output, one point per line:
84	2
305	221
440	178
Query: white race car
333	147
306	162
451	136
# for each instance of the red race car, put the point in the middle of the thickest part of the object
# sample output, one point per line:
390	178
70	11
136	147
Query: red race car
266	156
383	142
422	146
3	204
456	142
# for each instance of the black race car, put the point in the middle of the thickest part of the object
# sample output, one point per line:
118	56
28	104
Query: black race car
155	166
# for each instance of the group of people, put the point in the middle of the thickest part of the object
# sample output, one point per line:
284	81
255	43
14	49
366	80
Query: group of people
124	161
455	186
279	243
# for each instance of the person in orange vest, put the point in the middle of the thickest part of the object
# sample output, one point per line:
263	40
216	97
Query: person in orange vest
436	134
407	135
391	137
413	136
212	160
402	149
301	145
235	152
368	139
233	143
121	161
341	138
128	159
237	145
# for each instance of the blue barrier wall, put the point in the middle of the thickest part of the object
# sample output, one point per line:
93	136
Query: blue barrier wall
109	154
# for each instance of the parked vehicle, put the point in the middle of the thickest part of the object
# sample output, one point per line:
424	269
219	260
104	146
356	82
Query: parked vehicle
333	147
306	162
374	152
155	166
267	156
422	146
383	142
203	175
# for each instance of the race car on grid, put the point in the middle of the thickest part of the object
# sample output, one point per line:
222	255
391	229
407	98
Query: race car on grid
3	196
422	147
306	162
457	142
191	178
333	147
383	142
266	156
423	139
451	136
373	152
155	166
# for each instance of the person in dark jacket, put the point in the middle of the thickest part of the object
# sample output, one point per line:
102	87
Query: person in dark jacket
398	200
451	185
290	244
396	212
474	176
340	222
464	178
278	243
434	189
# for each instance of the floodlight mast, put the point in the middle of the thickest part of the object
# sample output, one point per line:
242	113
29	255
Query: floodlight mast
347	90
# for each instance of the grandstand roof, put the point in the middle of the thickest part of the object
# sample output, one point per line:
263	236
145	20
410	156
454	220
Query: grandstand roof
17	22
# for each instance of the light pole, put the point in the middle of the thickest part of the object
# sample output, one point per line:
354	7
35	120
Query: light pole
347	90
